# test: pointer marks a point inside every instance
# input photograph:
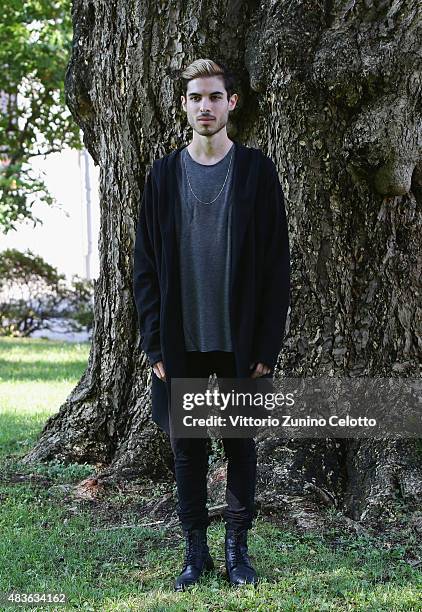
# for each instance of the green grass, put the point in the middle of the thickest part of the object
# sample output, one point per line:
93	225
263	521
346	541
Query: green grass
52	543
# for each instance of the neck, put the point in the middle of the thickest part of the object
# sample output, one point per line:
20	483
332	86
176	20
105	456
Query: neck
209	149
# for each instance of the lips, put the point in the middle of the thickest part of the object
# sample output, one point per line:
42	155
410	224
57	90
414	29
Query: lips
206	119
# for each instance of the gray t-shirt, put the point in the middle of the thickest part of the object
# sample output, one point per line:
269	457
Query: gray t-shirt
203	233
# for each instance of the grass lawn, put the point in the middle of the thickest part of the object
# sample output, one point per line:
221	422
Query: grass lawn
51	543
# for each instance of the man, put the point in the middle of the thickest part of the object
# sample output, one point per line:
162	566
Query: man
211	285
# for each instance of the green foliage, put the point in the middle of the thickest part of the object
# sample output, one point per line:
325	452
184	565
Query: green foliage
33	293
35	46
55	470
80	301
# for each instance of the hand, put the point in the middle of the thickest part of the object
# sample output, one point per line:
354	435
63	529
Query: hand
159	370
260	370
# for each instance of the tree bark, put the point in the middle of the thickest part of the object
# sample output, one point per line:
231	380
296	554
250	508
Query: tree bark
331	91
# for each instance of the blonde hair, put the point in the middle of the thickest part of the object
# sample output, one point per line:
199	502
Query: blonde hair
207	67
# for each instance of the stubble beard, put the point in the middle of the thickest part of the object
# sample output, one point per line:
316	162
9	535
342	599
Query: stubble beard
209	130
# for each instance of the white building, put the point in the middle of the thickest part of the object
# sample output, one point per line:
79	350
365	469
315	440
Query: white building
68	236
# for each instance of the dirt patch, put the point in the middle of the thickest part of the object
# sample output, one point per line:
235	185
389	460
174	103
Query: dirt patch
129	504
20	477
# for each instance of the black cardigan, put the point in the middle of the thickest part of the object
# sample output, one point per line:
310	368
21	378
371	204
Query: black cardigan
260	270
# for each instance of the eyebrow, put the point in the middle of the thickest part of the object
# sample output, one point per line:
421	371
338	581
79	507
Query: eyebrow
194	93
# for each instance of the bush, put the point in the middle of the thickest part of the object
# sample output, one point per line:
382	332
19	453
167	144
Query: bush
34	296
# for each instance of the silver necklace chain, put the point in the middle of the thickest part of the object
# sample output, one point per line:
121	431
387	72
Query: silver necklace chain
219	193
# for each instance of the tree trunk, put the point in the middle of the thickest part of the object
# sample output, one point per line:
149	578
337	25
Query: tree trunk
331	92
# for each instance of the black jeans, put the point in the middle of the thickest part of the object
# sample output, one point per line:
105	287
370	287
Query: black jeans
191	459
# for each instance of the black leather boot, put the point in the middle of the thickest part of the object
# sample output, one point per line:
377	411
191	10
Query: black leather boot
197	559
238	565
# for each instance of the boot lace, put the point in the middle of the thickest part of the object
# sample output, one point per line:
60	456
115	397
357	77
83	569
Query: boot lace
237	549
195	548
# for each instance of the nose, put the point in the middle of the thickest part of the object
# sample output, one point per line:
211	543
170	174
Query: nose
204	108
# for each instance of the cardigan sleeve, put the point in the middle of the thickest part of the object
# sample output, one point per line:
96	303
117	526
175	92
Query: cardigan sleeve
146	288
275	296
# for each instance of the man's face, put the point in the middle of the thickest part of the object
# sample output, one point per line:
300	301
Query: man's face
206	105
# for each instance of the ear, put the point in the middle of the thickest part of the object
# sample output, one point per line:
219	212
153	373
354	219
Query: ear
183	100
233	101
